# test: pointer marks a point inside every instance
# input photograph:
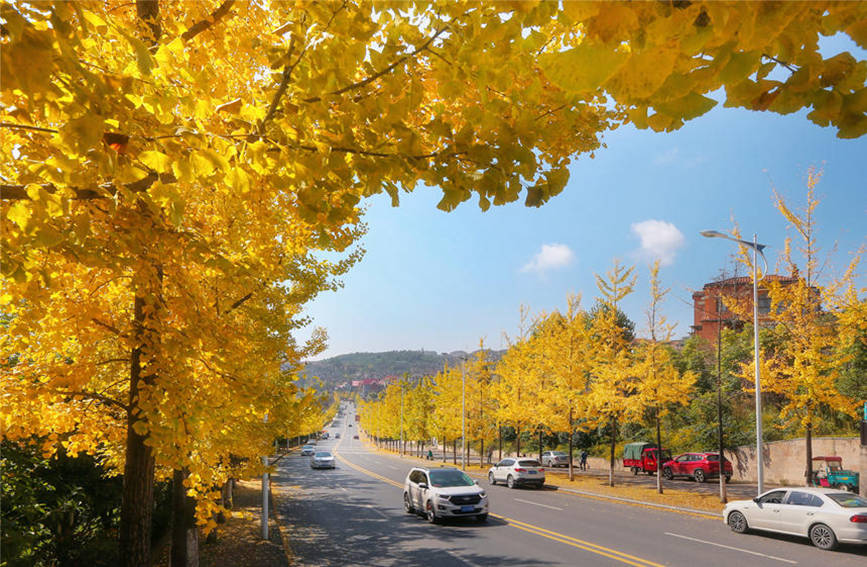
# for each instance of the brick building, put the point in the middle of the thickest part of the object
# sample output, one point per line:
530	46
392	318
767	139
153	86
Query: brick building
709	310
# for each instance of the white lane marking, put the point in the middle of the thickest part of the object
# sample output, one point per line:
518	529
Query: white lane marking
733	548
537	504
378	511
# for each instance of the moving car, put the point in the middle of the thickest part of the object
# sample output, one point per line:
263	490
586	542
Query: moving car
337	435
825	516
446	492
355	436
322	460
517	472
307	450
555	459
700	466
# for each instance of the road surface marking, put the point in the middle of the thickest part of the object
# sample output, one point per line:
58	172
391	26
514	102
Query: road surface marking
578	543
732	548
538	504
530	528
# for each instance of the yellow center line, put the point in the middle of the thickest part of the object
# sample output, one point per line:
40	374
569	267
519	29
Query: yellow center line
530	528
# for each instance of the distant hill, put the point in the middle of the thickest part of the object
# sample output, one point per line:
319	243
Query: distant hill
364	365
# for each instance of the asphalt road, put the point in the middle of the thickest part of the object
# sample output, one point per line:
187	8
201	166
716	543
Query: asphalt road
354	515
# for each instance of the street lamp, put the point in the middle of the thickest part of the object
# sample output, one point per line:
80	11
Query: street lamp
757	250
463	416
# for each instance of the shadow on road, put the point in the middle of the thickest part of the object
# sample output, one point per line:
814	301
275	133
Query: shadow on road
335	517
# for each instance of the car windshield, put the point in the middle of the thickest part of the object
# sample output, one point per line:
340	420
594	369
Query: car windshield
847	500
711	458
322	454
449	477
529	464
559	453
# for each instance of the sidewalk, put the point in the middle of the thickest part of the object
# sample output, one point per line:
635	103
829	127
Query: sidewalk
239	541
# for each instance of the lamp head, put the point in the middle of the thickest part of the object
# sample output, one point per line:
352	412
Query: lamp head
712	234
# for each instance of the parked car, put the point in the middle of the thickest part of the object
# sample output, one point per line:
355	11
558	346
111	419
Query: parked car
307	450
825	516
643	457
517	472
322	460
700	466
555	459
829	473
355	436
337	435
445	492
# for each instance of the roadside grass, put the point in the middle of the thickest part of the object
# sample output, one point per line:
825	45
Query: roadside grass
598	486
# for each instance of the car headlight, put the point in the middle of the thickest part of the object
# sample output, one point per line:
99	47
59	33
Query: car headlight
482	494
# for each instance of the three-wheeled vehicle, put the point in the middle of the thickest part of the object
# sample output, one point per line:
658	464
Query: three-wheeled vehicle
829	472
643	457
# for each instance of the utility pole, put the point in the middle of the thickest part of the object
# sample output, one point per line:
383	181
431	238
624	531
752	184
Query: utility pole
463	416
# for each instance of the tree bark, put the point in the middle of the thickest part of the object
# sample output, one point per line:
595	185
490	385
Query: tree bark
611	456
185	535
138	470
571	434
659	454
454	451
517	442
500	434
808	471
540	445
482	453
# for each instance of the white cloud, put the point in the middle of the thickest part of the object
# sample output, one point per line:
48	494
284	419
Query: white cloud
659	240
550	257
667	157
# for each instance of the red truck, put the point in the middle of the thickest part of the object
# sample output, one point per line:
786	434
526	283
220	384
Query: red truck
643	457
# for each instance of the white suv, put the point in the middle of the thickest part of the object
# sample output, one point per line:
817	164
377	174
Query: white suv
445	492
517	472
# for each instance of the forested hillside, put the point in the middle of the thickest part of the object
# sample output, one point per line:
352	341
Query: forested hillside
362	365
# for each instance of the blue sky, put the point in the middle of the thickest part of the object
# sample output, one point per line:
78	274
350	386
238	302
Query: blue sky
441	281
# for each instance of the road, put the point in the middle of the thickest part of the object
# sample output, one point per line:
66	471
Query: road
354	515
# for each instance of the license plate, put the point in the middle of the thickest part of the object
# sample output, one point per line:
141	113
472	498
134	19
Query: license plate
467	508
532	472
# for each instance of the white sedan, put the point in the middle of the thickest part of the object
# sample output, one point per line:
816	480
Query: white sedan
824	515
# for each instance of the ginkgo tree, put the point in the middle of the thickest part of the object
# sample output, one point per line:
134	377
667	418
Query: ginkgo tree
661	385
809	322
170	170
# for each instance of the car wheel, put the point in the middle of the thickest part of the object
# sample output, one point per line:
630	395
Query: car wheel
430	513
823	537
738	523
407	504
728	478
482	518
540	486
491	478
699	475
666	472
510	482
635	470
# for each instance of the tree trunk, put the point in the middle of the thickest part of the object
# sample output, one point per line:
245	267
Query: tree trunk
540	445
185	534
611	456
571	434
517	442
500	433
454	451
138	470
808	471
445	447
659	454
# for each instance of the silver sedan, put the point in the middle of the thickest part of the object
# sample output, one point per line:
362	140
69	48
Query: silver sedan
322	460
825	516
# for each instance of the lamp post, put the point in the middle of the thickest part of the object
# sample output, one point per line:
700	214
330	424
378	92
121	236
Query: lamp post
757	250
463	416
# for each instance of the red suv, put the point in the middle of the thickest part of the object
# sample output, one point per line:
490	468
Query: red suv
699	466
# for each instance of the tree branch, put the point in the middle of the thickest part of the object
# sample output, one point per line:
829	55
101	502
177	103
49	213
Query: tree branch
14	126
93	396
205	24
384	71
111	328
9	192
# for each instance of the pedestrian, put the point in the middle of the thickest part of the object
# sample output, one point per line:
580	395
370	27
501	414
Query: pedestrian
429	455
583	459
